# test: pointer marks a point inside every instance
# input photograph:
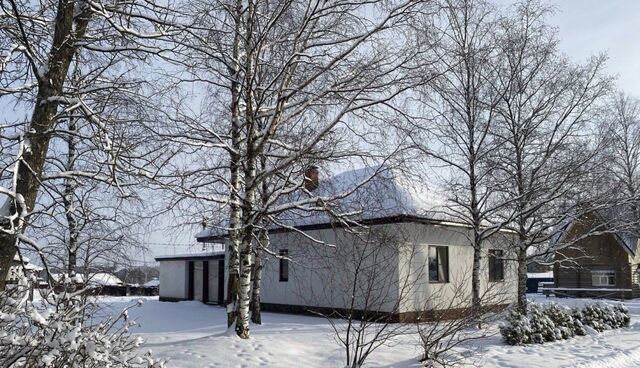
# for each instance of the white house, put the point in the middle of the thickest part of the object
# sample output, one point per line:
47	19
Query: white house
192	276
406	258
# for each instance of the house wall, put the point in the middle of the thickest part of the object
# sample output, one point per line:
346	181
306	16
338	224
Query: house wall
391	264
15	272
322	275
213	281
454	296
198	279
574	264
173	280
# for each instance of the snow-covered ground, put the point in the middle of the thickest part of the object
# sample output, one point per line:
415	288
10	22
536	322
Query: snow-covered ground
191	334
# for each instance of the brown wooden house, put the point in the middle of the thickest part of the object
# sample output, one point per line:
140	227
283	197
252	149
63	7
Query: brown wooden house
599	258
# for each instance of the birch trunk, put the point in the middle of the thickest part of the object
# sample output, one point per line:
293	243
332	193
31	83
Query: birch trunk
263	240
70	185
67	30
235	214
475	276
522	279
250	162
244	289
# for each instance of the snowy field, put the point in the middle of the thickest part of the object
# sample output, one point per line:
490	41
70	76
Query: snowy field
191	334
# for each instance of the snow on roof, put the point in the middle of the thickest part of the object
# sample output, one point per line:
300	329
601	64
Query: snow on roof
378	192
540	275
366	194
203	254
152	283
32	267
26	263
104	279
16	258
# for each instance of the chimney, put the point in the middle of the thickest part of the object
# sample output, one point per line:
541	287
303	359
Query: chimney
311	178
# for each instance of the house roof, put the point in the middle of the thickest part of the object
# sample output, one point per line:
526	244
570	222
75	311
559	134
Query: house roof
95	279
191	255
625	224
540	275
620	221
27	263
365	195
152	283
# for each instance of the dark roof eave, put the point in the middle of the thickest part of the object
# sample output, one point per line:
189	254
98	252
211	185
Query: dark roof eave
333	225
189	258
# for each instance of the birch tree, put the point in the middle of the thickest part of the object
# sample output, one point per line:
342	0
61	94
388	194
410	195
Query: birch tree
289	83
546	110
620	131
459	111
39	44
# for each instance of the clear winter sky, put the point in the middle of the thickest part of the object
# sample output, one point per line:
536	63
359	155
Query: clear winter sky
588	27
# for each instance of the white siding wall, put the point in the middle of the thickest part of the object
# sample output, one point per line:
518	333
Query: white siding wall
457	292
198	270
321	276
173	279
213	281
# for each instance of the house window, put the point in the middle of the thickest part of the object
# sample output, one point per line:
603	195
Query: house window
284	265
496	265
438	264
603	278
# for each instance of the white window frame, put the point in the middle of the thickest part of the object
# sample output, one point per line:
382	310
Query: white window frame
603	278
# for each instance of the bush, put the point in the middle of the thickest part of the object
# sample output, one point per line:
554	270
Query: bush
603	317
552	322
57	329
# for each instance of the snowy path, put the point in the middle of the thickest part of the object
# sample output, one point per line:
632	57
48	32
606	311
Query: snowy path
191	334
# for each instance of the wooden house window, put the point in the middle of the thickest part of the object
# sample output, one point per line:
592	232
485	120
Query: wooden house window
496	265
284	265
438	264
603	278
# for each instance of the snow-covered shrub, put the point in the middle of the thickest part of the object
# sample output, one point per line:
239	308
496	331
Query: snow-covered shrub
552	322
60	328
603	317
537	326
562	318
517	330
578	326
543	328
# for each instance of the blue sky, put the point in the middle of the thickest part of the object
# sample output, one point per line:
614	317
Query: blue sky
589	27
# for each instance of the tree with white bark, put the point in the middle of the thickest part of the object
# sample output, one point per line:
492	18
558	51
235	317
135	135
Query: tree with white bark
288	84
546	111
620	132
458	113
41	47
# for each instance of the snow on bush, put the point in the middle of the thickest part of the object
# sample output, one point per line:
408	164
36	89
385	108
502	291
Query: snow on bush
603	317
553	322
61	328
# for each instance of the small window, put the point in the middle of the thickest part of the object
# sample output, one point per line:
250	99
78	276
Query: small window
438	264
603	278
284	265
496	265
